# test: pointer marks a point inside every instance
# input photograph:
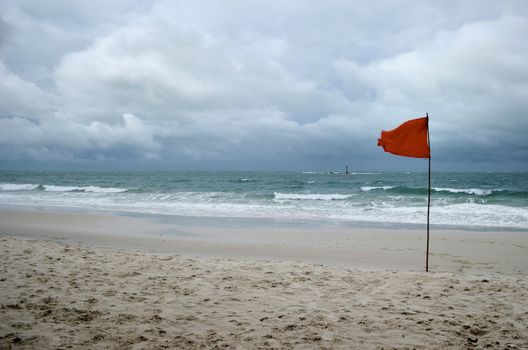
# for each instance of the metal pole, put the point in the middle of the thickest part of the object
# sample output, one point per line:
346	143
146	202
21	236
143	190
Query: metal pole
428	197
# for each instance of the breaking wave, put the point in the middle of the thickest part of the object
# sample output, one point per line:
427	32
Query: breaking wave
54	188
446	191
370	188
313	197
95	189
17	187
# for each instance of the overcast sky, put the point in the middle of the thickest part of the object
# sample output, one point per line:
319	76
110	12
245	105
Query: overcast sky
293	85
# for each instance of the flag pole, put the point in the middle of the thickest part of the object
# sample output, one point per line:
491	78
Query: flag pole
428	196
411	140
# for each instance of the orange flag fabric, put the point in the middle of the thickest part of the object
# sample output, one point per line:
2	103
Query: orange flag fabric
410	139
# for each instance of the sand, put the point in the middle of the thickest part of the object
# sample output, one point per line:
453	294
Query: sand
90	289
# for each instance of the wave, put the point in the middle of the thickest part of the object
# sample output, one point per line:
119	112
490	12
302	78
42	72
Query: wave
485	192
454	215
370	188
325	208
95	189
476	191
314	197
447	190
54	188
423	190
17	187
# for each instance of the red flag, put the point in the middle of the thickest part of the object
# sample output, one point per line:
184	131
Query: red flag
410	139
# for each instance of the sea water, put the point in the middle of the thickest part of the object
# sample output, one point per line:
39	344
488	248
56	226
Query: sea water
459	200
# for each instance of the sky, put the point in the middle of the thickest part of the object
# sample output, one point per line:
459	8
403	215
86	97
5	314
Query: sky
261	85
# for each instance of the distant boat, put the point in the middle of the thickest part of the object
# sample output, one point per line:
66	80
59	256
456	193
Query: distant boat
340	172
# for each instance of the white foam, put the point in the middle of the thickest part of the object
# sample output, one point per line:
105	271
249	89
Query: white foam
316	196
281	205
467	214
95	189
476	191
17	187
370	188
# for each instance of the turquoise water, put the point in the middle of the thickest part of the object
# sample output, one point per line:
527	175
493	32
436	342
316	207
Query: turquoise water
476	200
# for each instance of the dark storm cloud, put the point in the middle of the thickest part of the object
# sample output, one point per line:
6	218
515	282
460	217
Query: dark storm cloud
248	83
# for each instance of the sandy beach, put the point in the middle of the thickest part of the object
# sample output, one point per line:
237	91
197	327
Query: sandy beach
73	280
263	175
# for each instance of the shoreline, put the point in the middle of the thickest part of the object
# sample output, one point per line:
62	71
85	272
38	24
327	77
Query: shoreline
481	252
252	221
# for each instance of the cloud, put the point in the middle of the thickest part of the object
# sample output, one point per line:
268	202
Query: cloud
286	85
472	80
53	140
20	97
163	72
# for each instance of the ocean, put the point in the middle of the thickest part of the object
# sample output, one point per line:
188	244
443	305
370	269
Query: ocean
482	201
